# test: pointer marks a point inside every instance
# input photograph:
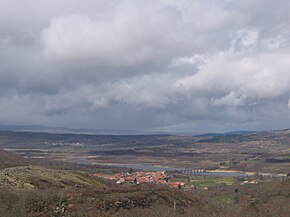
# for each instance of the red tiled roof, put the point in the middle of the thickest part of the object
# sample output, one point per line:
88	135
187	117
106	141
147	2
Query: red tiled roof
143	177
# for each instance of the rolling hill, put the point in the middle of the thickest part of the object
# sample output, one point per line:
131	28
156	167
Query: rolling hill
8	159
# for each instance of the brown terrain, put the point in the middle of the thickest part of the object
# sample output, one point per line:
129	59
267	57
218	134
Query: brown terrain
43	184
8	159
267	152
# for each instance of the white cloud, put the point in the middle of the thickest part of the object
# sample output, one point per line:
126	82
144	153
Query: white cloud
157	63
245	38
133	35
152	32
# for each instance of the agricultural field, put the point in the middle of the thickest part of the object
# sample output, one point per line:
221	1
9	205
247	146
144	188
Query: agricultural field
256	152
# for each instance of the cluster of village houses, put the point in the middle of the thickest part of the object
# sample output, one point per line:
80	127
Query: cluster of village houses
158	177
144	177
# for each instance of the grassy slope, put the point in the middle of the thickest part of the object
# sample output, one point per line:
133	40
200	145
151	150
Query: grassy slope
8	159
39	191
32	177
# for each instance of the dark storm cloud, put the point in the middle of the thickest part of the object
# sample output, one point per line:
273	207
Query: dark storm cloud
162	65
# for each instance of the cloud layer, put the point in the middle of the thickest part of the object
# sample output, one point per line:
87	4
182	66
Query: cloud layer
152	65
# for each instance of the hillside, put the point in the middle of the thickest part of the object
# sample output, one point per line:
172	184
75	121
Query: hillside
8	159
39	191
34	177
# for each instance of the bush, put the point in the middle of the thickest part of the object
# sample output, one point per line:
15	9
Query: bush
44	201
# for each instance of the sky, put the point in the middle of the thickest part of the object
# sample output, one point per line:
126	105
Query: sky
151	65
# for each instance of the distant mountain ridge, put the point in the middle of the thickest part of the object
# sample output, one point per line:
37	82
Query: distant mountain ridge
243	133
64	130
229	133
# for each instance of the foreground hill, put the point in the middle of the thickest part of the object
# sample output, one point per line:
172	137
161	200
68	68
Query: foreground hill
34	177
37	191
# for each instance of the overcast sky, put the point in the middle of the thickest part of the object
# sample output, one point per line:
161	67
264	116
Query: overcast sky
153	65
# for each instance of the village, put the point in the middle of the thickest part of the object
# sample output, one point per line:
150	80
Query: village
139	177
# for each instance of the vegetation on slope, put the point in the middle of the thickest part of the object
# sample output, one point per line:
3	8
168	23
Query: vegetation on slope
8	159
